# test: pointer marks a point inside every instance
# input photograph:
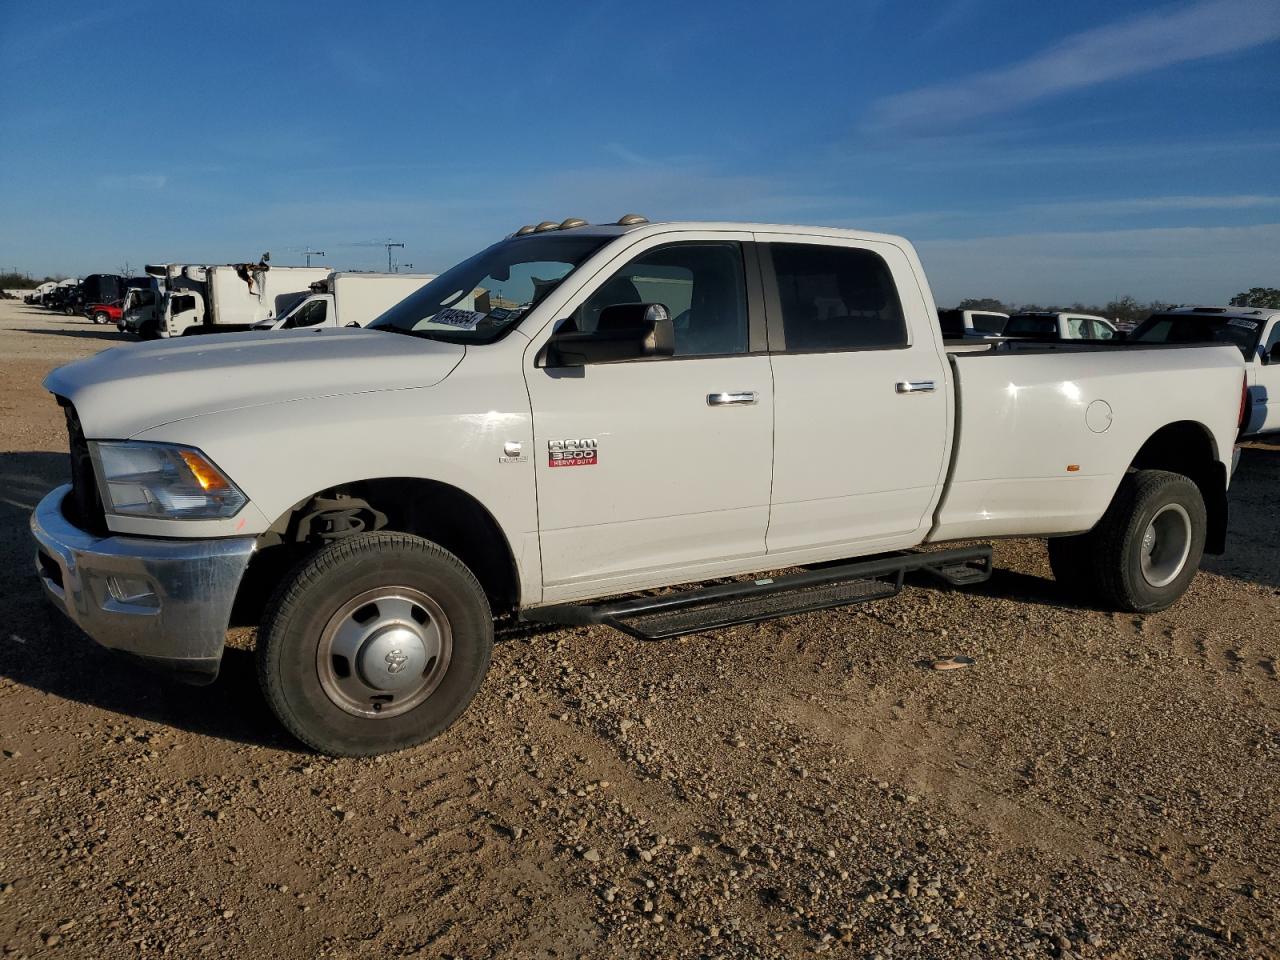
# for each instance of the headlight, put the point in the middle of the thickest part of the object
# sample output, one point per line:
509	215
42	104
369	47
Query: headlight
163	480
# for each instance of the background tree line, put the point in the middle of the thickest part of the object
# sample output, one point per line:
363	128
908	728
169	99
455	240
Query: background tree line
20	281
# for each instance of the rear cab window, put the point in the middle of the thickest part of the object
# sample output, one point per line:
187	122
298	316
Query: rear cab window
989	322
952	322
1031	325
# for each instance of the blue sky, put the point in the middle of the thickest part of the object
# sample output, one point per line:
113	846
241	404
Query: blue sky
1034	151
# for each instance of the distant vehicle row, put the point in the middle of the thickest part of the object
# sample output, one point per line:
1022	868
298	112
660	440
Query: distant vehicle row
181	299
1037	325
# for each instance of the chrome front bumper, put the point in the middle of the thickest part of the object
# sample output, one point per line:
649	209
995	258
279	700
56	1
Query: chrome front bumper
167	601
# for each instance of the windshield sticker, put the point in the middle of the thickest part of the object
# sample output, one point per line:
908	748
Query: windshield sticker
1247	324
462	319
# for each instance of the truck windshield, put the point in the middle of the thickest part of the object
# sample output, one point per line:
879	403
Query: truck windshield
1199	328
482	298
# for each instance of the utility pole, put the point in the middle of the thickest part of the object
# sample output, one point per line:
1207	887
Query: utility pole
309	252
389	244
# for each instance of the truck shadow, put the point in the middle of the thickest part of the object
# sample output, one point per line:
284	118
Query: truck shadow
92	332
42	650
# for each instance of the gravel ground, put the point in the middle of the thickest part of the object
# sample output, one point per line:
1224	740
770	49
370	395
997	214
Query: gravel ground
1094	785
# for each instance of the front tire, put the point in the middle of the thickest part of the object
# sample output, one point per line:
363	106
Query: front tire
373	644
101	318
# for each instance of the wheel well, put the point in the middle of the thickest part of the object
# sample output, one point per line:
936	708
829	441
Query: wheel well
426	508
1188	448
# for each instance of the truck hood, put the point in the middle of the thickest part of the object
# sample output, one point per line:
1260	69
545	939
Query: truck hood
121	392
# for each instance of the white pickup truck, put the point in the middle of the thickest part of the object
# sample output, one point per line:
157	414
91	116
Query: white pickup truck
982	324
611	409
1254	330
1060	326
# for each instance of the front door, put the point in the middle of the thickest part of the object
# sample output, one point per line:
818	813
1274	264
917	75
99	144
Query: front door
861	398
657	470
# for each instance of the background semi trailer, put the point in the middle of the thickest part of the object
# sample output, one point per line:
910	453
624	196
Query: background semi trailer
209	299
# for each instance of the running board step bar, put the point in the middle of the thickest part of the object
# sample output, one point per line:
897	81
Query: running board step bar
750	601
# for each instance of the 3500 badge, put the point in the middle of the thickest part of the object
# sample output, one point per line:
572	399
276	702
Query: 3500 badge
572	453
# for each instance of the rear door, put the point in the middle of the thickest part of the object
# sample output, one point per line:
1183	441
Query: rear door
861	397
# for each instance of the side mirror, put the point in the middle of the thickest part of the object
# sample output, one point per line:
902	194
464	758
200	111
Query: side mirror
625	331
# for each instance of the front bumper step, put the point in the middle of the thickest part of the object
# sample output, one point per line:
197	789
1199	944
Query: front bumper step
658	617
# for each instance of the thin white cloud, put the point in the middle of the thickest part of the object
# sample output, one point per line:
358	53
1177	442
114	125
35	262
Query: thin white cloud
1137	205
1138	45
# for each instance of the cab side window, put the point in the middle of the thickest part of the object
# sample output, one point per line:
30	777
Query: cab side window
700	284
1077	328
1100	331
836	298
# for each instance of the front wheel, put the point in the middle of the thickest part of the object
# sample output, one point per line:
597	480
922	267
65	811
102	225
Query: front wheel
101	318
1146	549
376	643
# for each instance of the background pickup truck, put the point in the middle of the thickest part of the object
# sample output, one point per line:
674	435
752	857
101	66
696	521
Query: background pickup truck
972	323
1254	330
582	412
1060	326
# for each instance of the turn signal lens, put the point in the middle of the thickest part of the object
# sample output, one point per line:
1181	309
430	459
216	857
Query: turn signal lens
206	474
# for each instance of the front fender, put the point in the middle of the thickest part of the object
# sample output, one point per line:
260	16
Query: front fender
283	453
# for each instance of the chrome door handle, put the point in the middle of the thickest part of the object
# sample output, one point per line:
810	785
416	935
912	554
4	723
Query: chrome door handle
915	386
729	399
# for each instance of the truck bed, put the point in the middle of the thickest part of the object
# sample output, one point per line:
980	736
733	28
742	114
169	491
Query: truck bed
1025	462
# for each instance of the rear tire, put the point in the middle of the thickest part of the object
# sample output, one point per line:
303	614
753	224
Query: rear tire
375	643
1146	549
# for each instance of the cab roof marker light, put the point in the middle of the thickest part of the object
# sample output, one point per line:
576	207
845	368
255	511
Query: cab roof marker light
525	230
571	222
546	225
631	220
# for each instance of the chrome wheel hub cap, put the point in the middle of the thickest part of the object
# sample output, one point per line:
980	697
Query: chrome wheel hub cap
1166	544
384	652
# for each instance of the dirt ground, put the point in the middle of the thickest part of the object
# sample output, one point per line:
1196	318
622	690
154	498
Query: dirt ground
1095	785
